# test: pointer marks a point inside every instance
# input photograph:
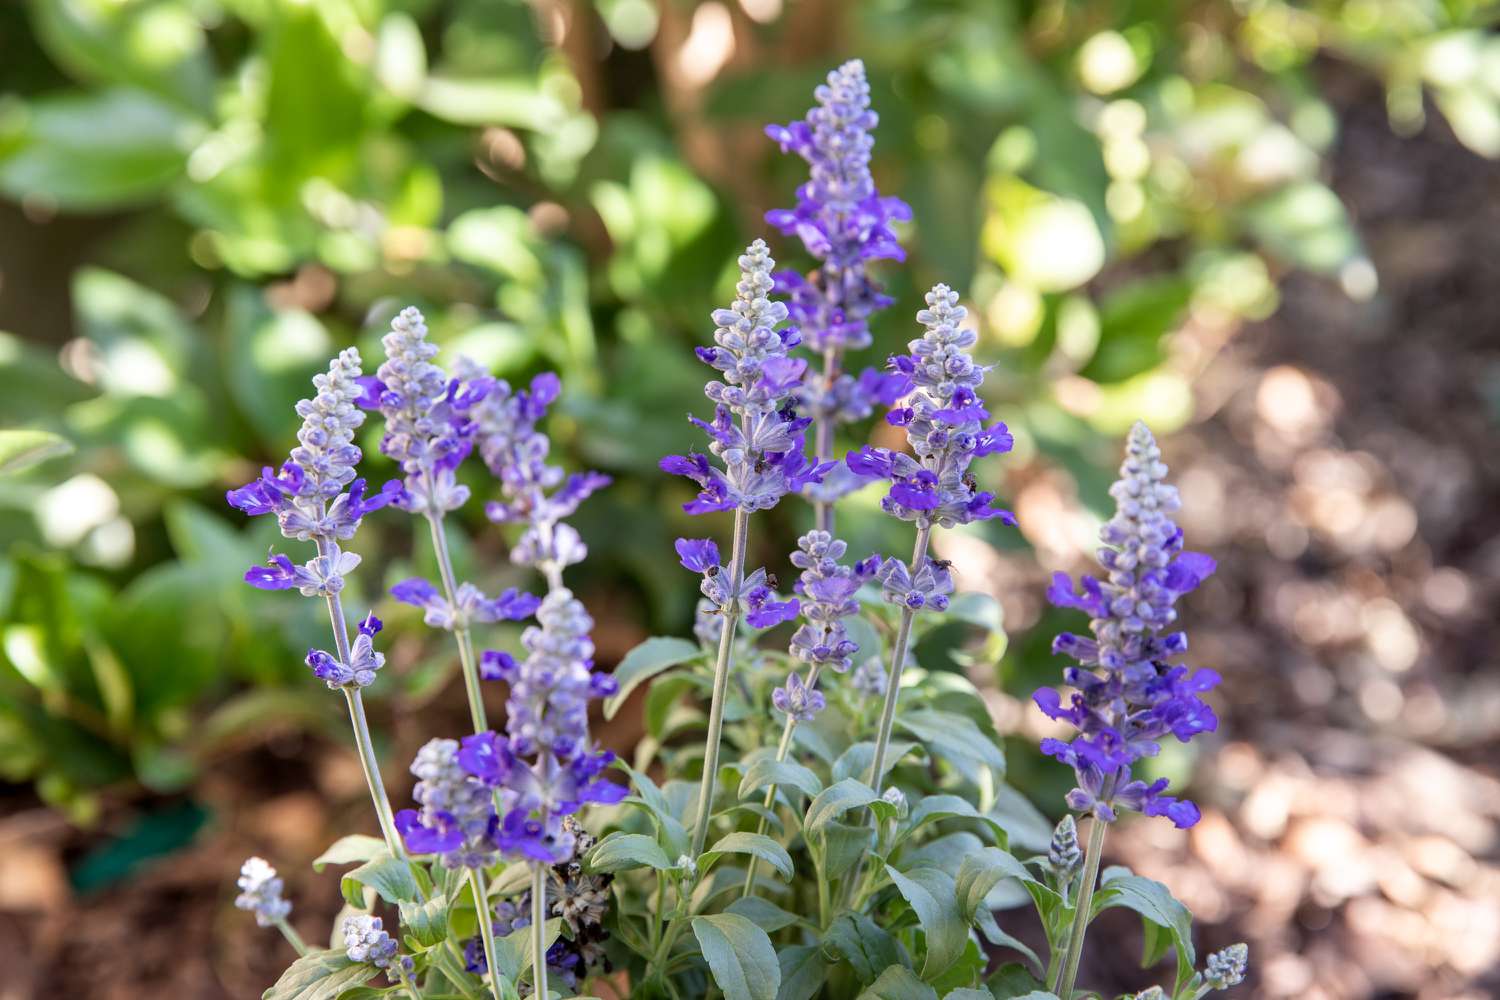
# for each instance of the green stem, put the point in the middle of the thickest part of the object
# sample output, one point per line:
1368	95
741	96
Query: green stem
898	663
1063	987
466	659
721	683
486	927
539	931
371	765
781	751
293	938
823	427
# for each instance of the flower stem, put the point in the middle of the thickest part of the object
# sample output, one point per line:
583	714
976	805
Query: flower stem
293	938
466	659
539	931
1068	973
721	682
371	765
823	427
781	751
898	663
486	927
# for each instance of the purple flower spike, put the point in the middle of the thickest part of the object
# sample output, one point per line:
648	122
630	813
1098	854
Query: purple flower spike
944	422
755	432
1127	696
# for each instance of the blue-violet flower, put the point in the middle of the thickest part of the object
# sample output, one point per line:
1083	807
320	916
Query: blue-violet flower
1127	696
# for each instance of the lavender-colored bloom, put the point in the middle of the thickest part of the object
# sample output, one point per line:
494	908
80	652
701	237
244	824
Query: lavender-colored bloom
927	589
315	495
826	589
944	423
840	217
1226	967
457	819
1127	696
470	604
797	700
869	678
754	431
366	940
260	892
364	661
545	767
762	609
427	426
534	493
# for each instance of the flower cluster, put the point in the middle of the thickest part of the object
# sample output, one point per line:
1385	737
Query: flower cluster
364	661
762	609
457	820
427	426
534	493
826	589
543	769
944	423
928	588
580	898
308	494
1127	695
366	940
260	892
840	217
755	431
470	605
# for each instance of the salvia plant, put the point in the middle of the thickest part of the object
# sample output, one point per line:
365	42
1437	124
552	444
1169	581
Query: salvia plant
837	824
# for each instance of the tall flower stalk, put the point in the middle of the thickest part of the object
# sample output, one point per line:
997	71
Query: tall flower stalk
317	497
931	487
844	223
826	593
759	440
1127	695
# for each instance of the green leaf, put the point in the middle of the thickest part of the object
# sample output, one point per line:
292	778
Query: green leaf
1132	322
844	844
83	152
978	609
740	956
426	922
347	850
803	969
513	952
946	734
645	661
491	101
1013	981
932	896
836	800
763	913
756	844
1156	905
769	771
980	873
1306	225
932	808
966	993
322	975
623	851
867	947
21	449
898	983
856	761
391	877
670	832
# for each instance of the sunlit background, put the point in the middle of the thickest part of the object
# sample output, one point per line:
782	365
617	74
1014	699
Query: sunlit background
1270	229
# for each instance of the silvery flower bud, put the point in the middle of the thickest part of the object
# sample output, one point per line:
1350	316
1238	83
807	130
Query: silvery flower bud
260	893
1063	854
897	798
1226	967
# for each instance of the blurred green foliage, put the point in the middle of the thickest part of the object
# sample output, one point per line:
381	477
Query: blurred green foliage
565	185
